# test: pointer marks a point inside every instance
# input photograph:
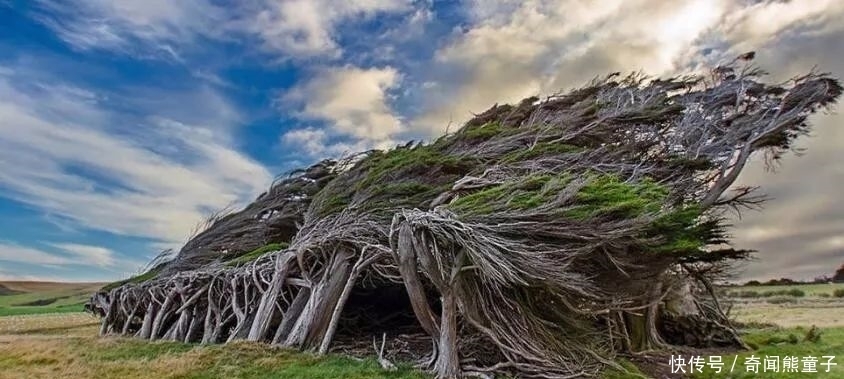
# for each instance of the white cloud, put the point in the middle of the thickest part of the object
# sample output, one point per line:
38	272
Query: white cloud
88	255
307	28
15	253
514	49
162	28
129	26
518	49
355	104
63	153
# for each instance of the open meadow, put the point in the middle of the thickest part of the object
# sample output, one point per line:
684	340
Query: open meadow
44	297
66	345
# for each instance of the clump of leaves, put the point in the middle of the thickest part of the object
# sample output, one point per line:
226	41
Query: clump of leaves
606	195
526	194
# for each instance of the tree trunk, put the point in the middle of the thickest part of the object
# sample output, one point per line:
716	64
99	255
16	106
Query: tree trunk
311	325
291	315
267	306
448	360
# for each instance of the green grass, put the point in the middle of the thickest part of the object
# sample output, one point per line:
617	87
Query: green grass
630	371
65	308
783	342
54	298
83	354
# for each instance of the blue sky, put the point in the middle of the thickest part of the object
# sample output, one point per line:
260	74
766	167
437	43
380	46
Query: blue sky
124	123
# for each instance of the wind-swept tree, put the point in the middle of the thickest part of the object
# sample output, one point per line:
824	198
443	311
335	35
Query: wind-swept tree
538	240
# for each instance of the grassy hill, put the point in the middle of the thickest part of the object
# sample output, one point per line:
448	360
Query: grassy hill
44	297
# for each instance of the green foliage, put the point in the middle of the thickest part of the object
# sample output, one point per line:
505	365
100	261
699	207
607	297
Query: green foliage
483	132
606	195
681	232
838	293
334	203
529	193
257	253
405	176
385	167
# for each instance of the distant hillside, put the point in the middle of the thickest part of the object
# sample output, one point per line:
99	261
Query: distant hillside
7	291
44	297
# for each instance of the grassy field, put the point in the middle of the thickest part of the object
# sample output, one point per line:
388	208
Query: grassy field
782	342
43	297
66	344
815	308
811	290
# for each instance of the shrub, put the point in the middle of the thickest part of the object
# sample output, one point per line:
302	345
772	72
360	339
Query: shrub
813	335
824	294
838	293
744	294
778	340
796	292
780	300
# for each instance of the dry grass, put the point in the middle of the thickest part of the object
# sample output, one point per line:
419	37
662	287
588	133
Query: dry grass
809	289
803	313
51	286
65	324
67	346
44	297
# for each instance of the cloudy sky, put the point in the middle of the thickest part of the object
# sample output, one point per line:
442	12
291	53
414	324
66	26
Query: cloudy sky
123	123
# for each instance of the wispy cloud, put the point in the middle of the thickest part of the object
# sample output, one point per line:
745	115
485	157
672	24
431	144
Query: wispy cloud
11	252
88	255
294	29
369	73
156	28
63	151
308	28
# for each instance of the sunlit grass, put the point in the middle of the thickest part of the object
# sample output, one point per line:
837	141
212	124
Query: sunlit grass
66	346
